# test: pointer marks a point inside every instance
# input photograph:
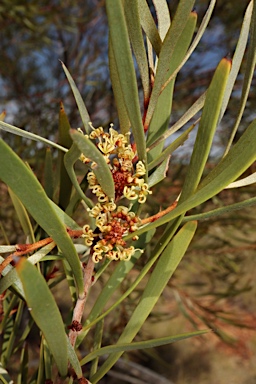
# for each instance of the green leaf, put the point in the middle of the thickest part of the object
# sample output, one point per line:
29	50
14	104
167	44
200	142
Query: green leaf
191	112
171	148
170	44
79	101
131	10
48	174
28	189
239	158
153	343
160	173
23	216
65	141
222	210
126	72
70	159
160	276
195	42
206	129
73	359
238	57
28	135
248	76
149	26
45	312
101	169
124	121
161	116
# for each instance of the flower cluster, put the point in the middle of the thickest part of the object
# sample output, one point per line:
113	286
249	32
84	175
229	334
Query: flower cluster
113	222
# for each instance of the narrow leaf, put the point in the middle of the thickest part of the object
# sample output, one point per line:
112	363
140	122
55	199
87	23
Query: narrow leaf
160	173
149	26
238	57
70	159
64	140
101	169
45	312
124	62
160	276
163	17
169	45
153	343
28	135
245	181
206	129
131	10
124	121
171	148
73	359
248	76
23	216
48	174
79	101
239	158
28	189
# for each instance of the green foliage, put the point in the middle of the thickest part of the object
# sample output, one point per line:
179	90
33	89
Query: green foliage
115	168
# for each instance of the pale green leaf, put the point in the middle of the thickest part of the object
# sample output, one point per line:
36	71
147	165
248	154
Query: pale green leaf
28	135
245	181
79	101
149	26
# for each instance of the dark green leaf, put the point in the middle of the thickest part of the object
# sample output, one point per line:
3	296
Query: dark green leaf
45	312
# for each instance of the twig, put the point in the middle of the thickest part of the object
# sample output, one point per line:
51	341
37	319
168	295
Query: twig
79	307
23	249
157	216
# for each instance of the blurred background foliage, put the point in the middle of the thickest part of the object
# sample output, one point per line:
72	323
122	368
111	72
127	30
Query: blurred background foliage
36	35
220	265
